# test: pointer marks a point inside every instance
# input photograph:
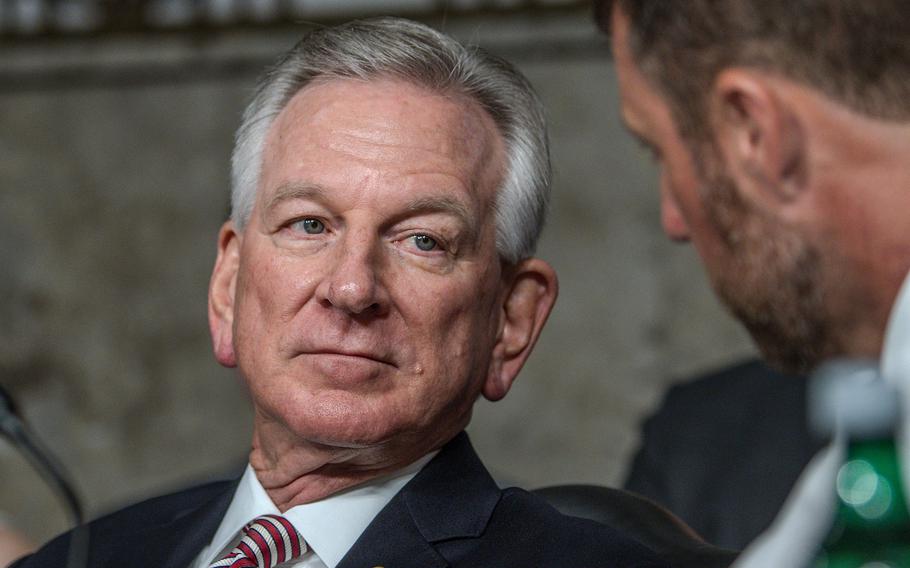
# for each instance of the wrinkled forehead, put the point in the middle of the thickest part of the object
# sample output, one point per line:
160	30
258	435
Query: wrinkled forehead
394	121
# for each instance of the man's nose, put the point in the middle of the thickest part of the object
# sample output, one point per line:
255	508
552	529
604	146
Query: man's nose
352	283
671	218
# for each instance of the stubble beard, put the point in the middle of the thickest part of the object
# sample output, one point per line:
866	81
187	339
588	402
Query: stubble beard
772	280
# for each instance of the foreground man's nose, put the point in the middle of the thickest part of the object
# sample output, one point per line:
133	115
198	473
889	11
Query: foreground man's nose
671	218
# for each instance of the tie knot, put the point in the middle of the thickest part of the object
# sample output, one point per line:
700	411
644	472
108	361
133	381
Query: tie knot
267	541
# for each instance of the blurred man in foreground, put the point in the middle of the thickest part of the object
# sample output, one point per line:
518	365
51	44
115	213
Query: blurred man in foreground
782	130
375	278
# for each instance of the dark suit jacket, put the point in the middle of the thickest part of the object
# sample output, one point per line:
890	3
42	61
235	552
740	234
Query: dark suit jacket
724	450
451	514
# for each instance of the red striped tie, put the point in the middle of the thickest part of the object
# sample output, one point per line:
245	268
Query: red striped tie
267	541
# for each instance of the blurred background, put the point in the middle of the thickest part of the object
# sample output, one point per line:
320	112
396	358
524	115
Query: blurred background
116	125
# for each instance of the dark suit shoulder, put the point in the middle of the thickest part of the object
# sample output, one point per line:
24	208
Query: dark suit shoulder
119	528
745	406
747	379
734	439
165	508
525	530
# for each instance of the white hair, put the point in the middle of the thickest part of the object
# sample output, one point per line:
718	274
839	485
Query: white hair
413	52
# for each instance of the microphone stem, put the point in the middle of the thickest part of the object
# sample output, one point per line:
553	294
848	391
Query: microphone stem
41	460
53	473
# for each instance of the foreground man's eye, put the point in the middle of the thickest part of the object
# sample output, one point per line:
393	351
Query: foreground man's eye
425	243
311	226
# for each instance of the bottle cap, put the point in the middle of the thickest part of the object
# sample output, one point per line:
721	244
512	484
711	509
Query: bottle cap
850	395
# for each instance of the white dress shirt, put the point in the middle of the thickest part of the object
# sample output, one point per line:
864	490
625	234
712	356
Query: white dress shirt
330	526
801	526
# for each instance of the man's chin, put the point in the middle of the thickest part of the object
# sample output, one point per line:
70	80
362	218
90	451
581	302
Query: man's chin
787	359
344	433
782	308
791	347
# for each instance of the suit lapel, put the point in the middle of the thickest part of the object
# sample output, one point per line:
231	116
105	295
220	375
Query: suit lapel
453	497
392	540
176	543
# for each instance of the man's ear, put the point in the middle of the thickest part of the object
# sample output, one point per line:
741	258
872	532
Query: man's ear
529	298
222	288
759	136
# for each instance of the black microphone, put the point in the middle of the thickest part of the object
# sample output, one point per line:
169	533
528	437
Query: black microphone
8	410
13	427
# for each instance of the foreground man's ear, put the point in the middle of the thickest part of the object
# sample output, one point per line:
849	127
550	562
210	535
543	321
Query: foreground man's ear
222	288
760	137
527	305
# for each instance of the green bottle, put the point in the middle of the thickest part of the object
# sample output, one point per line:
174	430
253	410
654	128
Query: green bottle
871	527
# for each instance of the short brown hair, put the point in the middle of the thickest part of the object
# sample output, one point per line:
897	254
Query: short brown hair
856	52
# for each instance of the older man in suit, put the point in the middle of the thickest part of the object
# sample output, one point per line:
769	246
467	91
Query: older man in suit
375	278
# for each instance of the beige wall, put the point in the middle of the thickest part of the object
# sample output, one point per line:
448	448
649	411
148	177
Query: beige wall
110	199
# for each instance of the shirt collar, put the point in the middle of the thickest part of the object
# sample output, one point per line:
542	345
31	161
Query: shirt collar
895	363
330	526
895	367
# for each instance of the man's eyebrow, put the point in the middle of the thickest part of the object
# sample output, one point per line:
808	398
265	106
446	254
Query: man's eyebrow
295	190
442	205
433	204
448	206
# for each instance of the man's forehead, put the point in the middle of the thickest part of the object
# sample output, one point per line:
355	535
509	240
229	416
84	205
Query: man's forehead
386	108
343	144
638	99
387	123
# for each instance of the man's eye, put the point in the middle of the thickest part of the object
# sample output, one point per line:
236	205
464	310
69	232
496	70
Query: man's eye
425	243
311	226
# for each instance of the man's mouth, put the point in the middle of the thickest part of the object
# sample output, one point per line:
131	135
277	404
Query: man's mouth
353	354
